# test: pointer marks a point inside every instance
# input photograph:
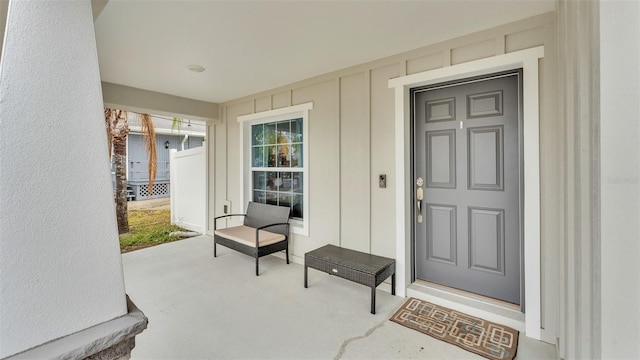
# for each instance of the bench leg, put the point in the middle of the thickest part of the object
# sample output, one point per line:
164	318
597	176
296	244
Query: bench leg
214	250
257	265
305	277
287	252
393	284
373	300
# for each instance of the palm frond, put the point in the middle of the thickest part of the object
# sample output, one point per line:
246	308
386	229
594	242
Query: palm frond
176	124
149	135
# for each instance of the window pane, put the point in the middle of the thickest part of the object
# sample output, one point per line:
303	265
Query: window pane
285	199
271	197
277	182
296	155
284	133
296	130
271	181
259	180
286	181
271	156
259	197
297	206
284	156
296	185
271	135
258	156
257	134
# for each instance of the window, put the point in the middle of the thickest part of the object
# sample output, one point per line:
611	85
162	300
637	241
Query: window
275	157
276	164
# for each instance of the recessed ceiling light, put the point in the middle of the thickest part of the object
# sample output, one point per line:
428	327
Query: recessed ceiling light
196	68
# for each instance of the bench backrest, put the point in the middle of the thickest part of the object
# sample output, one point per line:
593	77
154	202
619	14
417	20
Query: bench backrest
259	214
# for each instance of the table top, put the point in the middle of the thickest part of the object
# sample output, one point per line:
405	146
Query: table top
352	259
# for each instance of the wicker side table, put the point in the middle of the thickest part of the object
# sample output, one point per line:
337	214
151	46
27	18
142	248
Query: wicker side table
359	267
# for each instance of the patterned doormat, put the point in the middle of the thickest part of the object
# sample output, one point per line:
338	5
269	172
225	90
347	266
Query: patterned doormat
473	334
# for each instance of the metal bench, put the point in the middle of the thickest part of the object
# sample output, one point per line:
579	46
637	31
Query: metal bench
265	230
359	267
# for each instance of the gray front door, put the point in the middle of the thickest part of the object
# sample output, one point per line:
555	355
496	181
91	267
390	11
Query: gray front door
467	156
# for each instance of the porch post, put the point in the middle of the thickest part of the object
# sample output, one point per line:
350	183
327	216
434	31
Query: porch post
60	264
619	178
578	41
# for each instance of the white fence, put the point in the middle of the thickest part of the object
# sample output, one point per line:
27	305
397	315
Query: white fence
188	188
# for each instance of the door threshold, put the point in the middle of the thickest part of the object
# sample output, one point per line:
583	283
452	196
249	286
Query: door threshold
489	309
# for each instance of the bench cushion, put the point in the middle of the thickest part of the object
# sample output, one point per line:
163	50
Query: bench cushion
247	235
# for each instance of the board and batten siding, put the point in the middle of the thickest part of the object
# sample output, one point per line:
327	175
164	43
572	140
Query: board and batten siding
351	142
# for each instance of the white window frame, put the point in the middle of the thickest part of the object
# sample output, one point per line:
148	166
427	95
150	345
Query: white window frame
300	227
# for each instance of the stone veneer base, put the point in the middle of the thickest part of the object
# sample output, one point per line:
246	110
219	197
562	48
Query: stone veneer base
111	340
121	351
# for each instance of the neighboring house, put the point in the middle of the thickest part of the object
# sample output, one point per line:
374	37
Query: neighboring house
570	168
188	135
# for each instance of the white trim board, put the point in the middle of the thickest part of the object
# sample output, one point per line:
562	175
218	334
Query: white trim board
528	61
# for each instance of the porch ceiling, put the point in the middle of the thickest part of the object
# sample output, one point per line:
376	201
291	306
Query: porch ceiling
248	47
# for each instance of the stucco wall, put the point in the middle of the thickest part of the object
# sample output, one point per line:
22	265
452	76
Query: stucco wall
60	265
352	142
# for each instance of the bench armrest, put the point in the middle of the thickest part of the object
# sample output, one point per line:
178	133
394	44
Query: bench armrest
266	226
276	224
215	219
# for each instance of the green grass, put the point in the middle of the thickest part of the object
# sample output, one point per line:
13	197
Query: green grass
148	228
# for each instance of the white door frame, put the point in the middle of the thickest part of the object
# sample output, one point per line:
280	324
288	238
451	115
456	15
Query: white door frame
528	61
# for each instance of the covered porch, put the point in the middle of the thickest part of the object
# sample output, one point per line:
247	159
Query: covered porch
202	307
61	271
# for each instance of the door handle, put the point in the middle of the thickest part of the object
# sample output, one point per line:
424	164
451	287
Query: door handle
419	198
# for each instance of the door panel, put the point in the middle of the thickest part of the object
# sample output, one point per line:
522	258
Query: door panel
484	104
466	148
441	238
486	238
441	110
441	159
486	164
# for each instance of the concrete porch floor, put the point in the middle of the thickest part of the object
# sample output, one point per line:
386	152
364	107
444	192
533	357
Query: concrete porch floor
200	307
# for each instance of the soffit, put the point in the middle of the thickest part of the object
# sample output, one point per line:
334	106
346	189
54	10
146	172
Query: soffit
248	47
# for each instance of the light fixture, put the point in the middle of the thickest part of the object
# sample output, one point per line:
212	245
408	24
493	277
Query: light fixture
166	144
196	68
